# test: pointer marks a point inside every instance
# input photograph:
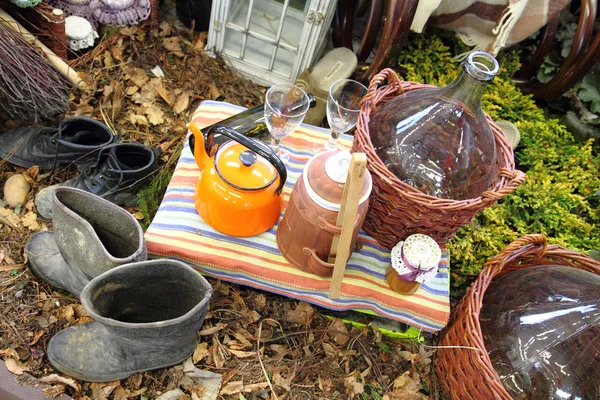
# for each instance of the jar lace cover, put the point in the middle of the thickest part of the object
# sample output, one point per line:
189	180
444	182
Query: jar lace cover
80	33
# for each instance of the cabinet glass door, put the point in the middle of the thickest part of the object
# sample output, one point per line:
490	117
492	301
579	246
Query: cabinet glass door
265	33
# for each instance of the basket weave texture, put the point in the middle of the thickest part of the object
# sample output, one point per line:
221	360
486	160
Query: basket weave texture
396	209
467	373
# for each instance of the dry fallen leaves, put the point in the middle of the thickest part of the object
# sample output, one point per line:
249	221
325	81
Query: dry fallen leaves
242	354
338	332
200	352
30	221
214	329
232	388
14	366
156	116
206	383
214	92
303	314
138	119
9	353
198	44
54	378
8	217
354	384
37	337
102	391
282	381
182	103
136	75
163	92
406	387
173	44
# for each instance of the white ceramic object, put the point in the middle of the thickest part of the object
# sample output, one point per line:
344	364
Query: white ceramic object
80	33
338	63
511	132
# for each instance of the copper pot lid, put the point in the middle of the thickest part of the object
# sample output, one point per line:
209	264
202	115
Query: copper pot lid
324	178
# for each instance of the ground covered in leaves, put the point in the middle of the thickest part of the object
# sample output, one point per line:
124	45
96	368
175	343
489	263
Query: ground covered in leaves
145	83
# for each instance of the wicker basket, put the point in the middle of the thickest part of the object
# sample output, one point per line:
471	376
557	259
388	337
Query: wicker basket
396	209
44	21
468	373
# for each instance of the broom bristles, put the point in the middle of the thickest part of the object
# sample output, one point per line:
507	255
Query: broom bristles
30	88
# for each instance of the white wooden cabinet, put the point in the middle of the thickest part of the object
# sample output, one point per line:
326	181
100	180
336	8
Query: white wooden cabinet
269	41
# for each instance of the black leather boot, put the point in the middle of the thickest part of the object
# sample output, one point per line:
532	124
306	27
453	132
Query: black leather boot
91	235
75	140
147	315
119	172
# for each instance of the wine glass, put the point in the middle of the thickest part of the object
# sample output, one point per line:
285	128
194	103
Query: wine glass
342	109
285	108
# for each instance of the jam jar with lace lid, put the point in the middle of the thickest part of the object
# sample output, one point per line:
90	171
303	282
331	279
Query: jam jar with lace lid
413	261
438	140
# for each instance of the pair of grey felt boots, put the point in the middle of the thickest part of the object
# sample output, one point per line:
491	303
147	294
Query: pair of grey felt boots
147	313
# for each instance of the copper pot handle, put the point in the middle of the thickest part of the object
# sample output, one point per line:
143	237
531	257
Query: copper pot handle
316	265
327	226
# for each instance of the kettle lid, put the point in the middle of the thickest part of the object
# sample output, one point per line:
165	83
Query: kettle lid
242	168
325	176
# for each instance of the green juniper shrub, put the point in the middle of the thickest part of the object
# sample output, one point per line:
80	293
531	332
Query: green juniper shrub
559	198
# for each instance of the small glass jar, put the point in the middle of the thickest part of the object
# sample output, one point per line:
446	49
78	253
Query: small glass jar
413	262
398	284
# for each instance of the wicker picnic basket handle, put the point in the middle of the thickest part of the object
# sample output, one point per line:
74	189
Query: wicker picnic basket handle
392	89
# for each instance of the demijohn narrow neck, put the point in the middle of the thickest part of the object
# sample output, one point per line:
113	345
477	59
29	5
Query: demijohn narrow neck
479	69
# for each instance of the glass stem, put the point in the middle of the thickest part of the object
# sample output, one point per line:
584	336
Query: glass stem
333	139
275	145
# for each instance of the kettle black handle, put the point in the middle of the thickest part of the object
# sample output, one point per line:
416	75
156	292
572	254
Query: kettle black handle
258	147
192	142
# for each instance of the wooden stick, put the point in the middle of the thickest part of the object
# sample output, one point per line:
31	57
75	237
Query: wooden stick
346	219
53	59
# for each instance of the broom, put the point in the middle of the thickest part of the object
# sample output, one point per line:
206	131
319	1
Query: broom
30	88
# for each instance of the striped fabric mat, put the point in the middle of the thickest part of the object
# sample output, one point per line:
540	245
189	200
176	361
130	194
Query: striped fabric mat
177	231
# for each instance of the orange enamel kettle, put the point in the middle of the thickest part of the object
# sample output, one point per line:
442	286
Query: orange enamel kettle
239	192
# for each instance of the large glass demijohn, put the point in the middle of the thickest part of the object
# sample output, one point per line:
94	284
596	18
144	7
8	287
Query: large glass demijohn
438	139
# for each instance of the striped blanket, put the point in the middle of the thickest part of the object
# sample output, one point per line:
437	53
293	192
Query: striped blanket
177	231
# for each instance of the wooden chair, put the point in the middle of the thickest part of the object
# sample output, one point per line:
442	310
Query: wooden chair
584	53
398	18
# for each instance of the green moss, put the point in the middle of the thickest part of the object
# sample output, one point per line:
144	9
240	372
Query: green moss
558	199
150	197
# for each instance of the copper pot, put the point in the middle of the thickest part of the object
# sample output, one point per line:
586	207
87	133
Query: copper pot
308	226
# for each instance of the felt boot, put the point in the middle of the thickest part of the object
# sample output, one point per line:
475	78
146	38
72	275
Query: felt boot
76	140
147	315
92	235
118	174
